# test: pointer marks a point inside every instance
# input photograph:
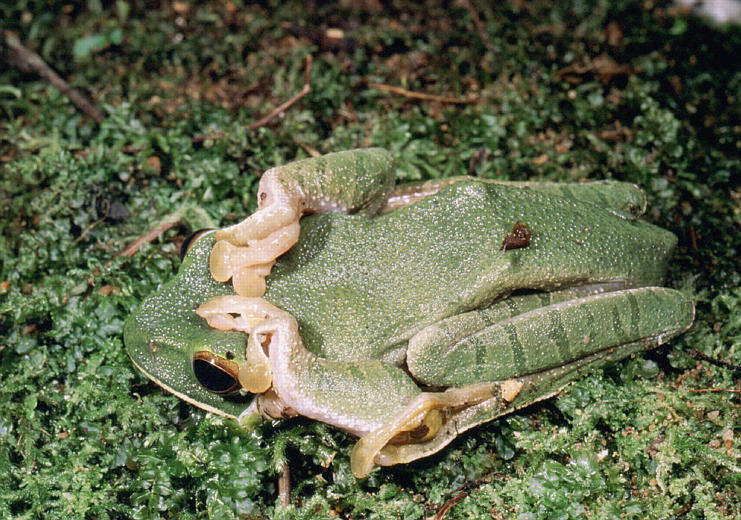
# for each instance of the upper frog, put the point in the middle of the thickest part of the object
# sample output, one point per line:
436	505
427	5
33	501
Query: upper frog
493	294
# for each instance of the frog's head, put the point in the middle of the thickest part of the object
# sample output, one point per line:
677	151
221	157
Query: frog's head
176	349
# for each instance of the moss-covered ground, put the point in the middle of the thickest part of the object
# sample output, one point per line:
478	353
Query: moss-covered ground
633	91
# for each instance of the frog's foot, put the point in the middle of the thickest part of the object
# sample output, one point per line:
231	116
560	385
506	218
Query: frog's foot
244	314
246	251
420	421
277	206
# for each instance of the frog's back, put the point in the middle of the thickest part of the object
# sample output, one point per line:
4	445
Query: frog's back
361	287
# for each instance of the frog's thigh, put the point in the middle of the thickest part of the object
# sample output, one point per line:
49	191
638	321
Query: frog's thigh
508	396
520	336
622	198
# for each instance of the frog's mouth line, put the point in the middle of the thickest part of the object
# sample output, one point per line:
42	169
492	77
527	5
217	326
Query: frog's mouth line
182	396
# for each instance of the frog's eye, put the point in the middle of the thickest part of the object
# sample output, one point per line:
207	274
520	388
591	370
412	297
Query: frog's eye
192	239
215	373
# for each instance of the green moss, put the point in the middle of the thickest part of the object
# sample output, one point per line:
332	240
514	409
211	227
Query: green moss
84	435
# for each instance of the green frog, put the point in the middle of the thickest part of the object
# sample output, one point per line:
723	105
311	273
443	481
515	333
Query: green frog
406	315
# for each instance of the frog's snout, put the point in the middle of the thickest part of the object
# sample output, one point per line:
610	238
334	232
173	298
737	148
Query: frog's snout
188	361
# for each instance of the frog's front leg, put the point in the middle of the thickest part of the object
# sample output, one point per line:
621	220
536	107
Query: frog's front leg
355	181
330	391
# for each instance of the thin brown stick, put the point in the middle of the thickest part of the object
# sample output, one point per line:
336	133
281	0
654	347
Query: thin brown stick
87	230
462	492
480	27
693	238
170	221
421	95
706	390
308	149
717	362
27	60
284	485
443	512
288	104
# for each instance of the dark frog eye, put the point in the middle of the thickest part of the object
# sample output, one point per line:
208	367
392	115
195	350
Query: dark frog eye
192	239
215	373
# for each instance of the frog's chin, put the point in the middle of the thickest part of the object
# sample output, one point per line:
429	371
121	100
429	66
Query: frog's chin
173	371
188	399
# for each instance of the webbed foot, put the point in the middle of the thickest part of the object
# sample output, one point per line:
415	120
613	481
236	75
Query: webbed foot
355	181
246	252
420	420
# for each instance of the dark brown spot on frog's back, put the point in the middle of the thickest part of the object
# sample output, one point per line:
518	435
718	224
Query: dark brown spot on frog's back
519	237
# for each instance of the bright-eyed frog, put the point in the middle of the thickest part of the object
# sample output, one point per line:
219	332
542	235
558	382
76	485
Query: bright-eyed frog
406	315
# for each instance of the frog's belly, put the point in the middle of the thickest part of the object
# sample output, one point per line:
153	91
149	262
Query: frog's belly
360	287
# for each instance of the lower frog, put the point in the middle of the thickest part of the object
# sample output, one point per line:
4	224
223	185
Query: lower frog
406	315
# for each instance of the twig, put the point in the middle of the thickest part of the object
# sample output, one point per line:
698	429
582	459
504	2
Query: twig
693	238
328	40
92	226
442	513
170	221
284	485
285	106
87	230
421	95
480	27
717	362
463	491
27	60
132	150
706	390
308	149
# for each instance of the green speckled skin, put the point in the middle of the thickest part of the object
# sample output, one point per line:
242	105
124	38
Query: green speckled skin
362	287
353	181
164	333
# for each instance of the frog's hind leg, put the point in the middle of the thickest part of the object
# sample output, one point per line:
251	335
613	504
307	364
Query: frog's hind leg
356	181
623	199
530	333
509	396
532	354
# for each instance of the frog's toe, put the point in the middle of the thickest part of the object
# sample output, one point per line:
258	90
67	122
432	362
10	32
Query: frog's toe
248	266
419	422
278	207
236	312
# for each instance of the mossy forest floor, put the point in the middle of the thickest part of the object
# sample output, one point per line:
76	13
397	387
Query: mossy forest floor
636	91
